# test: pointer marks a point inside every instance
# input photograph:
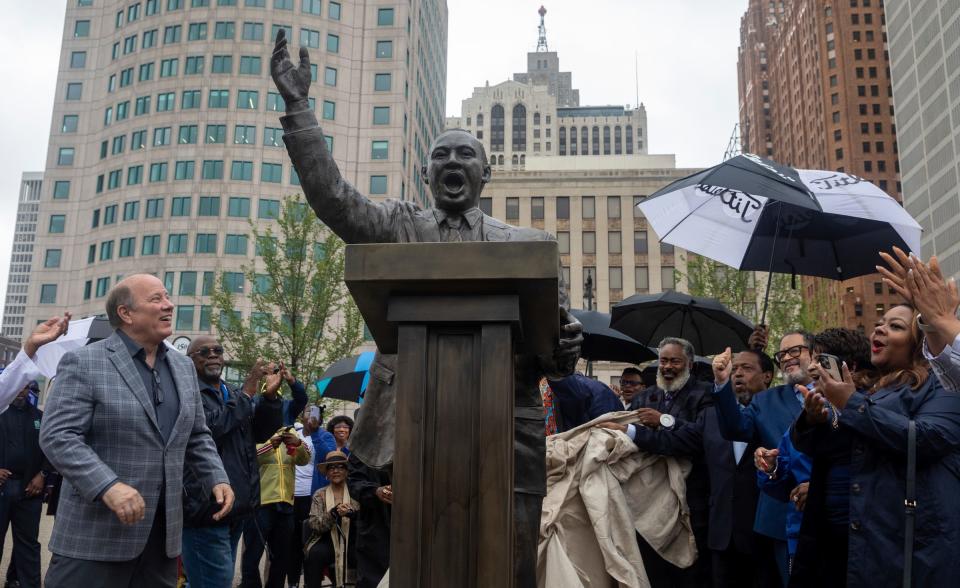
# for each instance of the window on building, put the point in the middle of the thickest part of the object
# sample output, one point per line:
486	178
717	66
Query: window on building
563	207
181	206
273	137
536	208
162	136
497	124
106	251
271	172
268	209
333	10
589	242
209	205
65	156
222	64
205	243
245	135
150	245
158	171
128	246
381	115
48	294
378	184
224	30
333	43
513	208
614	243
183	170
78	59
379	150
81	28
61	189
194	65
667	278
211	169
52	258
588	207
131	210
519	133
563	242
188	284
330	76
74	91
235	245
250	65
69	123
238	207
381	83
252	31
197	31
384	49
172	34
241	171
154	208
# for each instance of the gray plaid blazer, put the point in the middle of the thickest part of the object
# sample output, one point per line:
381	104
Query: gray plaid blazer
99	426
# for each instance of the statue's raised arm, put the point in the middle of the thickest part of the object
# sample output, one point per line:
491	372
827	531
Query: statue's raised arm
350	214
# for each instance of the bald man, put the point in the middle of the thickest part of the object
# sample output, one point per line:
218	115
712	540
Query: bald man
124	425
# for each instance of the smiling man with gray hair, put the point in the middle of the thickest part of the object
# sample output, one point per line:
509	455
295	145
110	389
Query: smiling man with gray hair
124	423
678	396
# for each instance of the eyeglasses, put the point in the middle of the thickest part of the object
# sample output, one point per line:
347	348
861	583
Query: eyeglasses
338	466
794	352
206	351
630	383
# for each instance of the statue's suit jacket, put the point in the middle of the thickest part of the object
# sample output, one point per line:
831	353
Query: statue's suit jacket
100	425
357	219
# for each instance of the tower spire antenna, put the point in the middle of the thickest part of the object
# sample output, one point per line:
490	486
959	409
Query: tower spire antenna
542	30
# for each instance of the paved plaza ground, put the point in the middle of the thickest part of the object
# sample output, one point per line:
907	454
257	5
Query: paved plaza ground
46	526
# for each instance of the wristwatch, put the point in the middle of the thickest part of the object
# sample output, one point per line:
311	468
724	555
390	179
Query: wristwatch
667	421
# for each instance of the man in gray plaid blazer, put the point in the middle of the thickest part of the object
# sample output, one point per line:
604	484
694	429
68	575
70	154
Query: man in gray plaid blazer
124	425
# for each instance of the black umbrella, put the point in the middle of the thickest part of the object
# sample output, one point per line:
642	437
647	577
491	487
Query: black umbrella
601	343
705	322
346	379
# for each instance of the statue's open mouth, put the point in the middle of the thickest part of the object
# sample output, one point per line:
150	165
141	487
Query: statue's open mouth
454	182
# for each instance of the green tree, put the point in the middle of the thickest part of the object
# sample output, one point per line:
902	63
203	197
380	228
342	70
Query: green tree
743	292
301	311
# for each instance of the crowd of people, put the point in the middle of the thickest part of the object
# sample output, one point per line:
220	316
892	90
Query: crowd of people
844	474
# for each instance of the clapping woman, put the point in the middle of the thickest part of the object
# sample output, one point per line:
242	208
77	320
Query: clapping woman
860	438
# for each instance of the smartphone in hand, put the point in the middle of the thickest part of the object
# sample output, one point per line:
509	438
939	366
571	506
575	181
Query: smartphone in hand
831	363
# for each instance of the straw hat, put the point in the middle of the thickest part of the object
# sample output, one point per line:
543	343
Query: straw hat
333	457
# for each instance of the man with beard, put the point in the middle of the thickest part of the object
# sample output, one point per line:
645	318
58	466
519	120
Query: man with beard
678	398
733	488
210	545
23	471
456	173
763	423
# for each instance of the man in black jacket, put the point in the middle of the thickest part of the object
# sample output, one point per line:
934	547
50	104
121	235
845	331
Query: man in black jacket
678	398
372	489
23	469
732	475
209	544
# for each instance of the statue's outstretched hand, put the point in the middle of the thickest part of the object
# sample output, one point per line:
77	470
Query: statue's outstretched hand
292	82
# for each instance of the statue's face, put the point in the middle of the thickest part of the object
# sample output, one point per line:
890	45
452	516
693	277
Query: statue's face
457	171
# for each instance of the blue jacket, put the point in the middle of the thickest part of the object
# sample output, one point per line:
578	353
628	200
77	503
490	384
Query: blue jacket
763	422
323	443
878	425
579	399
793	469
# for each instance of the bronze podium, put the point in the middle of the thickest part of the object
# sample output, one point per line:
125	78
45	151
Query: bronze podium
456	314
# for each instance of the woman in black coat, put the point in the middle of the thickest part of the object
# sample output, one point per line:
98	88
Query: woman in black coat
858	441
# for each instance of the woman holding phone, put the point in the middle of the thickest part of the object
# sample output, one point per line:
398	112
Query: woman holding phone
856	431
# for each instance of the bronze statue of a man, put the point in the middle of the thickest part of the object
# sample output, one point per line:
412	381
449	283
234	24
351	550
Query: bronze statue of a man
456	174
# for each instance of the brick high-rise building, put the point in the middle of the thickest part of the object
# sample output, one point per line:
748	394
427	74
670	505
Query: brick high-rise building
824	102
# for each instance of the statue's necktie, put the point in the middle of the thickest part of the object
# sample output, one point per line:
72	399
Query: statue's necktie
453	229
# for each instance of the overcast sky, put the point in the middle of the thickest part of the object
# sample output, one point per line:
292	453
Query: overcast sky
686	52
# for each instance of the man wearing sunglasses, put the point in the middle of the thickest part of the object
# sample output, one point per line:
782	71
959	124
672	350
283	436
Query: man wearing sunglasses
210	546
763	423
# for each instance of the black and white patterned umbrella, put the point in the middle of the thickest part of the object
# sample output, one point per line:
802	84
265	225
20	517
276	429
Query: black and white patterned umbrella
754	214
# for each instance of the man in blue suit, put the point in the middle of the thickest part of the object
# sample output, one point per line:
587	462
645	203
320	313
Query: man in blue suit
764	422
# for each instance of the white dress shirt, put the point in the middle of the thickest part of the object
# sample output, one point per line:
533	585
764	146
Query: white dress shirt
946	365
15	376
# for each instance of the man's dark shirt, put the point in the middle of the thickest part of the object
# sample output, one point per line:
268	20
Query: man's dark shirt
20	442
13	425
169	408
